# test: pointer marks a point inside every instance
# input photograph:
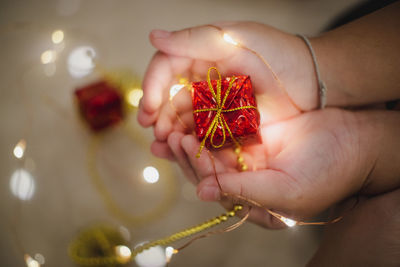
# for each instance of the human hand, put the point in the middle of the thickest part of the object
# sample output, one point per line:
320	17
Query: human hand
191	52
304	164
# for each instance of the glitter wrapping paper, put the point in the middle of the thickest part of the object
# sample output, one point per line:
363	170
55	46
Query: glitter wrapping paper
100	105
243	123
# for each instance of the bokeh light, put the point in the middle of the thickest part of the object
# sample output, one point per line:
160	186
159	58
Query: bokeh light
288	222
19	149
134	96
22	184
80	61
57	36
153	257
175	89
48	56
151	175
31	262
123	253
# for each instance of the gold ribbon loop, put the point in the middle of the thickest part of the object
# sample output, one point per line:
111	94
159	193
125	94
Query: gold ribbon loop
219	120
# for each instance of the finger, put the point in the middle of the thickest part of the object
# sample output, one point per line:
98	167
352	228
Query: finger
202	42
174	142
272	188
169	114
162	150
146	119
158	77
203	165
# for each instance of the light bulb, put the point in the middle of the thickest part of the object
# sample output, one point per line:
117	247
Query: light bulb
19	149
169	251
175	89
288	222
134	96
229	39
30	262
151	175
48	56
123	253
57	36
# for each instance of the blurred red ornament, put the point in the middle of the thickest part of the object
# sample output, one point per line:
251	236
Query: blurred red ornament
222	120
100	104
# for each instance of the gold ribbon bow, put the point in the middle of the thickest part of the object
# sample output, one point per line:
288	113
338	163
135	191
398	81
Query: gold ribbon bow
218	120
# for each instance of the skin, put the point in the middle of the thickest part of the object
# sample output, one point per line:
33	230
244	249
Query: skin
308	160
351	242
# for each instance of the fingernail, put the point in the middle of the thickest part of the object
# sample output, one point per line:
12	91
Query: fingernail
209	193
161	34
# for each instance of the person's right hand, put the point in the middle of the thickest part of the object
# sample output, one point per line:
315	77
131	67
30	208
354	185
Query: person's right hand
304	165
190	52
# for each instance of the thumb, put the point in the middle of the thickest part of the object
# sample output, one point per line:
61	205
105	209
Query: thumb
202	42
271	188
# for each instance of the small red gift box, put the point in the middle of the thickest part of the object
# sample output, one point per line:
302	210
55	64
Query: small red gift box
100	105
225	112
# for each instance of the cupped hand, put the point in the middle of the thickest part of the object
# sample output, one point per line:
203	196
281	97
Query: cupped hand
190	52
304	165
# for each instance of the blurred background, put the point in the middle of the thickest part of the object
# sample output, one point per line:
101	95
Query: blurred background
58	179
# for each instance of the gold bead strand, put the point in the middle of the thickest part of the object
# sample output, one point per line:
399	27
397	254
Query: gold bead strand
241	165
188	232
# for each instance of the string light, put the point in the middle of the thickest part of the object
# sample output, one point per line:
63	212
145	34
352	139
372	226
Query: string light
288	222
80	61
169	251
48	56
123	254
30	262
22	184
151	175
229	39
175	89
40	258
134	96
19	149
152	257
57	36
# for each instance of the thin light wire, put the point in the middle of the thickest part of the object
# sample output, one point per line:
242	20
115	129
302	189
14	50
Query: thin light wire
274	75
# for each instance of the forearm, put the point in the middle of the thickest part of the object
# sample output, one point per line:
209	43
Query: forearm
360	62
379	134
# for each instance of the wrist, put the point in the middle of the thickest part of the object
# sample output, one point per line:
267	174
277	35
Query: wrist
379	131
321	50
301	82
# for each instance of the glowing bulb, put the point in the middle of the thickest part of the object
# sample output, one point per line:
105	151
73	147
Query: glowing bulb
134	97
123	253
288	222
152	257
40	258
229	39
30	262
169	251
80	61
48	56
151	175
57	36
175	89
19	149
22	184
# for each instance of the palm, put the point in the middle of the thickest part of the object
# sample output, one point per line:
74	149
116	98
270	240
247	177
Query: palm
303	166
